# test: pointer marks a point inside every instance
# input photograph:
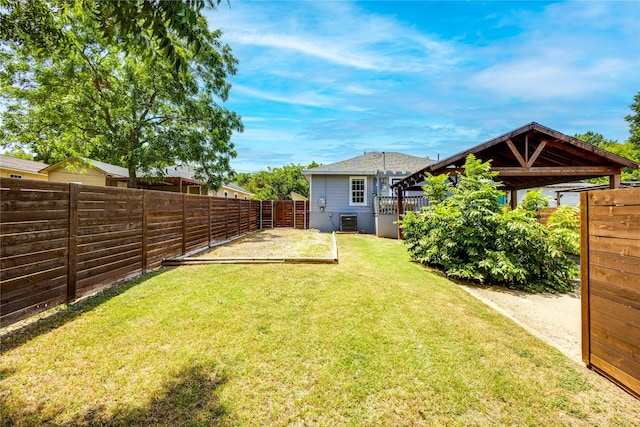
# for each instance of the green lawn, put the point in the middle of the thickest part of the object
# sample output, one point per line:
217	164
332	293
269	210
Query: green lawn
374	340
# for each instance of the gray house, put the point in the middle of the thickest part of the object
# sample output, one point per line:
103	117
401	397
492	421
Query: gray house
351	195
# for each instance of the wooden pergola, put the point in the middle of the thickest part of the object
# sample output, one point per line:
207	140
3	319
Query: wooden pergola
529	157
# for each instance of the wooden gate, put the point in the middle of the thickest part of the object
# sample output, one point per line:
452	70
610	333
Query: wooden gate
610	269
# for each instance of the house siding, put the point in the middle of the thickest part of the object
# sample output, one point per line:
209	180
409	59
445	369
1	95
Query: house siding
90	177
335	191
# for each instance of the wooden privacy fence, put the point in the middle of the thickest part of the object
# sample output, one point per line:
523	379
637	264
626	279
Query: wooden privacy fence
60	242
610	264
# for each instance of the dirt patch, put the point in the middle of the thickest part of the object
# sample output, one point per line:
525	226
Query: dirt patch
555	318
277	243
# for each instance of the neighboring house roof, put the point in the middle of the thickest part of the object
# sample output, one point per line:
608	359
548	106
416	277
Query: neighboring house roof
297	196
110	170
532	156
372	163
30	166
235	187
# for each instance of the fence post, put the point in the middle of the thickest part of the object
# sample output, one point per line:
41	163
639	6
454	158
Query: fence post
184	223
584	278
145	226
73	242
294	214
273	219
209	201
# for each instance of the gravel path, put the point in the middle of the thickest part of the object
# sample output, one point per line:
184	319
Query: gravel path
555	318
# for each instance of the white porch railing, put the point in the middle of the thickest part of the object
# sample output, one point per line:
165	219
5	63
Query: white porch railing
386	205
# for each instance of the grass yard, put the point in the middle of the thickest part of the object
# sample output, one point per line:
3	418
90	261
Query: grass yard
374	340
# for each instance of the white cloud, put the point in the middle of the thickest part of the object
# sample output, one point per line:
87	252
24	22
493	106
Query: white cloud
308	98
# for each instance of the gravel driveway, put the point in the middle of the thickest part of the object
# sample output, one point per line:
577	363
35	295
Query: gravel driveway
555	318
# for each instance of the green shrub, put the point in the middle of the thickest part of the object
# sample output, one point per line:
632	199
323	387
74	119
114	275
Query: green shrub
470	236
534	201
564	224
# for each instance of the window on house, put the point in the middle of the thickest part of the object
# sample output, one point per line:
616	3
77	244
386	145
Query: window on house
235	195
357	191
226	194
12	175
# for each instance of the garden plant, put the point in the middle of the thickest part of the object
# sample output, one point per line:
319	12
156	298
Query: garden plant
466	232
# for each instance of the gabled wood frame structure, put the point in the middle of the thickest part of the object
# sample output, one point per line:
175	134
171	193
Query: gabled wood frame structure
528	157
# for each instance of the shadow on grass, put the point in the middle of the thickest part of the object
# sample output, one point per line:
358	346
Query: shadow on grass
66	313
191	398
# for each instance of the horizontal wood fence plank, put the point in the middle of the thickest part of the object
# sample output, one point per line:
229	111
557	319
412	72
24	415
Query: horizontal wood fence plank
32	258
22	216
9	318
28	269
108	241
620	311
36	298
18	290
110	267
620	361
28	184
8	240
615	245
628	196
628	230
28	248
622	378
9	286
32	226
108	251
627	348
8	205
618	294
615	213
101	281
615	326
628	264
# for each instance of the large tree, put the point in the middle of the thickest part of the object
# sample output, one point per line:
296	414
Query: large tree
634	122
145	26
276	183
93	98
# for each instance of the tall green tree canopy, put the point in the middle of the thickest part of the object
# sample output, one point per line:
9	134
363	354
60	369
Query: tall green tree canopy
629	149
276	183
145	26
92	98
634	122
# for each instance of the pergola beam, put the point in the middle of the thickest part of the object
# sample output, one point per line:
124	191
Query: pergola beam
558	171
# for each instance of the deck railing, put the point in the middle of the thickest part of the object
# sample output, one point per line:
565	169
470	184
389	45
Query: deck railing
387	205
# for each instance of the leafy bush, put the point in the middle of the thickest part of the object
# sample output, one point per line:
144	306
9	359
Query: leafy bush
534	201
470	236
564	224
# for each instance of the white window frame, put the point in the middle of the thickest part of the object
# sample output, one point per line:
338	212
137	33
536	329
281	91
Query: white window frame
351	193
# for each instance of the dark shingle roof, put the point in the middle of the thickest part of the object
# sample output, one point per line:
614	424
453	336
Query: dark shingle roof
372	162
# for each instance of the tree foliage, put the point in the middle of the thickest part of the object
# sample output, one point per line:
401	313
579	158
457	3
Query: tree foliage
470	236
534	201
629	149
634	122
159	27
564	224
276	183
93	99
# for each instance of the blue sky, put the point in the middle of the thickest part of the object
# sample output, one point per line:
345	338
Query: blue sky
328	80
